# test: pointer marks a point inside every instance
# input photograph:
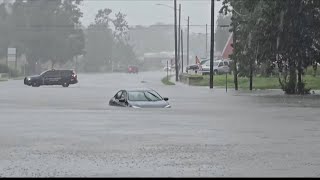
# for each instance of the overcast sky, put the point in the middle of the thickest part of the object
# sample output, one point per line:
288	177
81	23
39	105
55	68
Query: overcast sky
146	12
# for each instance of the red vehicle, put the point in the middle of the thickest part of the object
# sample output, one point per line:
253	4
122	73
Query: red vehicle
133	69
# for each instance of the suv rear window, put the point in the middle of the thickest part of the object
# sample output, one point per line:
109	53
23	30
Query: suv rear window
66	73
50	73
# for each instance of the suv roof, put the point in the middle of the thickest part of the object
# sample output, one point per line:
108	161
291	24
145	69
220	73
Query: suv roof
60	70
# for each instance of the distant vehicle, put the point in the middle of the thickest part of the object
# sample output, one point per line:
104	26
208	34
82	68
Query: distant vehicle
167	68
219	67
120	68
139	98
195	67
52	77
133	69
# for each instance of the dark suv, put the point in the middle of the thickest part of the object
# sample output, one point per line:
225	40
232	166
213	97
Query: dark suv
52	77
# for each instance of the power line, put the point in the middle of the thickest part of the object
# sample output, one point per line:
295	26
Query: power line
143	0
71	26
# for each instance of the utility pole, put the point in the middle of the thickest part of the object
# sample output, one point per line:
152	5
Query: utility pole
188	42
206	55
181	51
235	63
251	65
167	70
76	66
179	36
175	39
16	60
7	61
212	44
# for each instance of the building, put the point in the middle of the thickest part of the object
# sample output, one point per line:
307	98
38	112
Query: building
159	60
228	49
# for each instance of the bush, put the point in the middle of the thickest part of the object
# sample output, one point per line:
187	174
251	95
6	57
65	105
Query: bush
10	71
166	81
14	73
3	68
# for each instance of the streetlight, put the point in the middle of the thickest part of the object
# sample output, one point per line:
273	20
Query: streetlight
212	43
206	55
179	36
188	43
175	39
177	50
188	30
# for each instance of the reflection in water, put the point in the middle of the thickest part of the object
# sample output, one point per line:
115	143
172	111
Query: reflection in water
278	98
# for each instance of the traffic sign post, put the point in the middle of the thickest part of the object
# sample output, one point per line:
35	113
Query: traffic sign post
11	58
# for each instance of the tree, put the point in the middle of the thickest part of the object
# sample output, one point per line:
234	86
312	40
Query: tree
285	32
102	18
143	38
4	30
120	27
71	38
222	33
123	51
35	23
99	42
107	44
99	45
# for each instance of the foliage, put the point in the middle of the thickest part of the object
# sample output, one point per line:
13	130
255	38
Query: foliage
107	43
4	30
44	30
3	68
10	71
167	81
281	32
222	33
259	82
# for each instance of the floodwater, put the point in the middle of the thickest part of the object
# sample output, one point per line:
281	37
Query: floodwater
54	131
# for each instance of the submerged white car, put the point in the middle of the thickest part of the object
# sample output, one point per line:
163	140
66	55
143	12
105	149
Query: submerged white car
139	98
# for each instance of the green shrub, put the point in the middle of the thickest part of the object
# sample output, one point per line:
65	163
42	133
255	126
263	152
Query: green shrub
3	68
167	81
10	71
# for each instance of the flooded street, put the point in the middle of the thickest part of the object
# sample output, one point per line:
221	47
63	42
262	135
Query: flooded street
56	131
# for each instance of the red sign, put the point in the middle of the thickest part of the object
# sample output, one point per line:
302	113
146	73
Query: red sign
228	49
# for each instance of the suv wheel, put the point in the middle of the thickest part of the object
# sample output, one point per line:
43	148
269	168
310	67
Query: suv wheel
65	84
35	84
215	72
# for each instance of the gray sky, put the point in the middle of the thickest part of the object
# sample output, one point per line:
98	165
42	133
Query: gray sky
146	12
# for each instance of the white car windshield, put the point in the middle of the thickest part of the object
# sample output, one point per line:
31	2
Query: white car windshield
214	64
144	96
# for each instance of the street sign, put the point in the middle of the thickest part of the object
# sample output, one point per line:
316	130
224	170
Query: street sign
11	58
12	51
12	54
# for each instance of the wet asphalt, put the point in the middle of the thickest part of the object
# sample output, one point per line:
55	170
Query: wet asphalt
51	131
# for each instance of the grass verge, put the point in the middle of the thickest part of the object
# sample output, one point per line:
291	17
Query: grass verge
258	82
18	78
3	79
166	81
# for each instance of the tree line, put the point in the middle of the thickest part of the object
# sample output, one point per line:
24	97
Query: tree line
51	31
107	43
280	35
42	30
